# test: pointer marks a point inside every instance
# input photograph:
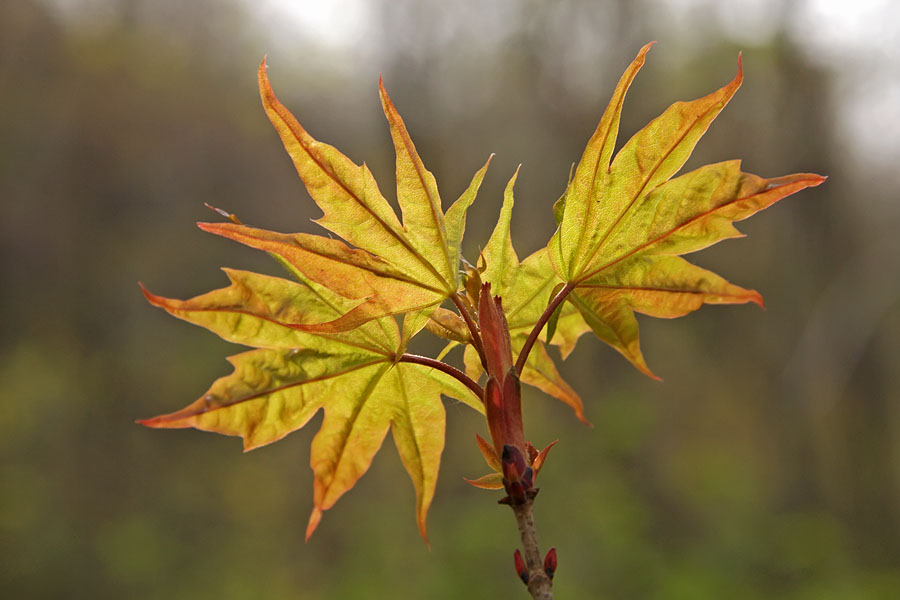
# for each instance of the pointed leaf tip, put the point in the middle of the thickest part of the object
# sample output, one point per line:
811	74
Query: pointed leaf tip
541	458
645	49
144	290
646	371
423	531
757	299
314	519
382	92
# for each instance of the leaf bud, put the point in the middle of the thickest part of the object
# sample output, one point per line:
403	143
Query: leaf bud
521	569
550	563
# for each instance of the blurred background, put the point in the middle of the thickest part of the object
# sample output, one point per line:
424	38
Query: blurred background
767	465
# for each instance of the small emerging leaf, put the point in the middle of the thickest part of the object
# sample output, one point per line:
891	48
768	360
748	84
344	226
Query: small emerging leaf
491	481
538	462
489	453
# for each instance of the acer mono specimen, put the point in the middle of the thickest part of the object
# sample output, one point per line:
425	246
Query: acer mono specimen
334	335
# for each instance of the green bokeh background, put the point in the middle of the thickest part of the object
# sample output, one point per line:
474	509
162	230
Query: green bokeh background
767	465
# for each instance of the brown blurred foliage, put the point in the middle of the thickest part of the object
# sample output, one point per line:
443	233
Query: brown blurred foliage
767	464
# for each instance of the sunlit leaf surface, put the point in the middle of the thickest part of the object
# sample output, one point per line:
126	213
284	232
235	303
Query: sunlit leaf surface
330	340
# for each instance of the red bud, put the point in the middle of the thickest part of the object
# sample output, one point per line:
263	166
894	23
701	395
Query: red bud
493	408
517	475
521	569
550	563
512	410
494	333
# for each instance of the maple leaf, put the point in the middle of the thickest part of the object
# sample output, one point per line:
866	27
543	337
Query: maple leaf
353	376
621	224
393	268
330	341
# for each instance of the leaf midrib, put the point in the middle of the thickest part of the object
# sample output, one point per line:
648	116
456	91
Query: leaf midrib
351	422
281	388
640	192
293	327
437	217
599	161
690	221
635	288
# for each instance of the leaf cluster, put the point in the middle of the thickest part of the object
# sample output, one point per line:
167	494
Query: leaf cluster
334	335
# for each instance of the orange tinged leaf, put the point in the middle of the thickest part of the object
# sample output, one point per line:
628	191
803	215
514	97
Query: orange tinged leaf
418	196
622	221
489	453
352	376
330	340
418	257
539	460
540	371
578	218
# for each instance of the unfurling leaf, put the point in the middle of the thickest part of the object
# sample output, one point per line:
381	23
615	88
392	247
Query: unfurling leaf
447	324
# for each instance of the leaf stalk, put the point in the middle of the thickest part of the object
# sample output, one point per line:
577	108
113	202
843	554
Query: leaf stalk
448	369
539	326
473	329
